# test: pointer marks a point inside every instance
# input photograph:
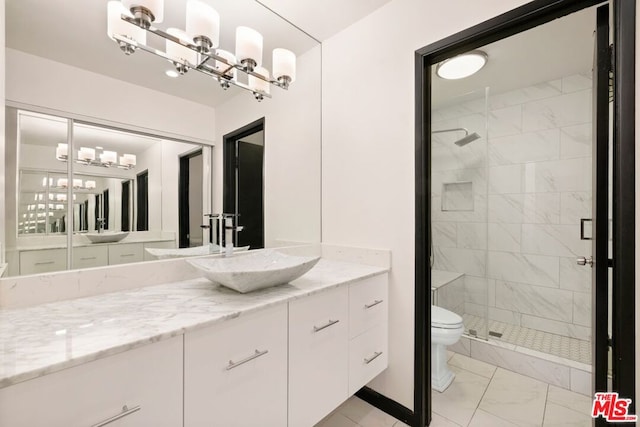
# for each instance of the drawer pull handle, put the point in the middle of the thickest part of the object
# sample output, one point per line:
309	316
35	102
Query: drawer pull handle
124	255
125	411
255	355
330	323
373	304
372	358
45	263
87	258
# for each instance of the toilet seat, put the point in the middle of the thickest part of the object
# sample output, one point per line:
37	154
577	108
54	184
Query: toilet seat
444	319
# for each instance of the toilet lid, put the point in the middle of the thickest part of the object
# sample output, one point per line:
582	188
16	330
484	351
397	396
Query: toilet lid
445	319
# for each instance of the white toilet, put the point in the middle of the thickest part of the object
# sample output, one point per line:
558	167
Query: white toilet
446	329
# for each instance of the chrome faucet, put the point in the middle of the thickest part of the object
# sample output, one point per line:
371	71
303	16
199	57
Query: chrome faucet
224	231
101	223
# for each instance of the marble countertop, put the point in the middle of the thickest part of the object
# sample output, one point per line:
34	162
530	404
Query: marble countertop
85	242
43	339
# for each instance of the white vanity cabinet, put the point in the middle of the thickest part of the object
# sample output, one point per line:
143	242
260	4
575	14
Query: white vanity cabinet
147	380
43	261
236	372
90	256
318	356
125	253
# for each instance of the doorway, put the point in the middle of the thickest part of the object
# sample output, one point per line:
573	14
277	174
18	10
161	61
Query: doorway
463	198
243	182
190	203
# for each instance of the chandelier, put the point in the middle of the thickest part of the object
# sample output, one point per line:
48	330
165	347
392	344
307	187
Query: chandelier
197	47
106	159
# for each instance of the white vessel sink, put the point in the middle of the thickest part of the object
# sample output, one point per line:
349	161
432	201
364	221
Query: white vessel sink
189	252
256	270
107	236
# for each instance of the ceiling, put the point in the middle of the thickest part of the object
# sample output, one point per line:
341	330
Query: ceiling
323	19
74	32
559	48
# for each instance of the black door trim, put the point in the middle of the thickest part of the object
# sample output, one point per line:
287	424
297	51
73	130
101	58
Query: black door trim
521	19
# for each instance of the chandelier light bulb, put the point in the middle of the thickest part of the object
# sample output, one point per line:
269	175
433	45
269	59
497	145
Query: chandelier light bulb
109	157
87	154
180	54
90	185
284	66
62	151
115	25
257	84
62	183
221	66
203	25
249	47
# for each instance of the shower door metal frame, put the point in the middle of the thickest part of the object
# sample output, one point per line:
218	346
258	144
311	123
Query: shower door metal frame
518	20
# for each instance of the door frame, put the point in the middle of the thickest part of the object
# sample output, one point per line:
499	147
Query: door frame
515	21
183	197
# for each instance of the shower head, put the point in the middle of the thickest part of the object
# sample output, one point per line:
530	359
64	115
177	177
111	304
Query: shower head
467	138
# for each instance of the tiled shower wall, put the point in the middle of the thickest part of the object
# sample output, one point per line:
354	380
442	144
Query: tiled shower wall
511	219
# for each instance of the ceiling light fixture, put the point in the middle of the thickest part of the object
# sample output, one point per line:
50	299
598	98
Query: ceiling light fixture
462	66
87	157
196	48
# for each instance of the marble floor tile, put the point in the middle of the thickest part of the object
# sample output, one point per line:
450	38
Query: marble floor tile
336	419
458	402
569	399
476	366
515	398
485	419
440	421
365	415
559	416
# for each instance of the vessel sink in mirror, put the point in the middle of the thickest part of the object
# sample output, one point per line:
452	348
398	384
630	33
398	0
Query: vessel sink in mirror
107	236
161	253
253	271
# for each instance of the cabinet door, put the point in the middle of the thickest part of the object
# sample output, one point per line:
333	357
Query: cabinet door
236	372
43	261
147	380
90	256
125	253
318	356
368	356
368	304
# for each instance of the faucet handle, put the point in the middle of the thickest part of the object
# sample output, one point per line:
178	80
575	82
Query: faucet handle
240	228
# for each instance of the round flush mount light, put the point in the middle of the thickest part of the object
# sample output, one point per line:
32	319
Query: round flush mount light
462	66
172	73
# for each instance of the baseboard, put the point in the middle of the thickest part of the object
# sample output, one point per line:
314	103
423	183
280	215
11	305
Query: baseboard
387	405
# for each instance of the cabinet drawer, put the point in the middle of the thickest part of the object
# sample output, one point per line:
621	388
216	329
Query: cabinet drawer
124	253
149	377
318	356
43	261
368	304
368	356
90	256
236	373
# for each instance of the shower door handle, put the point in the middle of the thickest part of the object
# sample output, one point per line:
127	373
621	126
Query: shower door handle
585	261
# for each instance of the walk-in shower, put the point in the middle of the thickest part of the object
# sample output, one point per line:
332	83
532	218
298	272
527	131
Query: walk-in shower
467	138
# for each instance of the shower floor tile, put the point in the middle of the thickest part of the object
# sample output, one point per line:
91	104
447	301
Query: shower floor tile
545	342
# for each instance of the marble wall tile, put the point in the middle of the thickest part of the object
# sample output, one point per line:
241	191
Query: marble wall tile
554	239
457	197
576	82
478	176
504	237
472	235
479	310
505	121
451	296
581	382
575	141
558	175
505	316
444	234
538	301
542	208
505	179
574	277
582	309
463	346
530	269
468	261
477	290
525	148
479	213
452	157
559	111
574	206
556	327
543	370
524	95
506	208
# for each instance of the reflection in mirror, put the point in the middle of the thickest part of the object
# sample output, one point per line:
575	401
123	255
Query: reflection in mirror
121	200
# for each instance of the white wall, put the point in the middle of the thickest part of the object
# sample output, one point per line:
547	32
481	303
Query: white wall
2	90
292	152
41	82
368	147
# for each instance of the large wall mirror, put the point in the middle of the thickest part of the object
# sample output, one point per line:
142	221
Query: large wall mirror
74	98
